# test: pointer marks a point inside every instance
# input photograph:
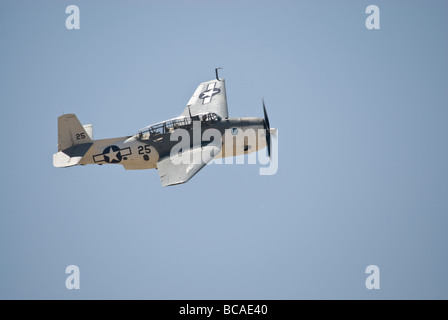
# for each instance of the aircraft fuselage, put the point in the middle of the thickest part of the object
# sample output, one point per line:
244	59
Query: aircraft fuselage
239	136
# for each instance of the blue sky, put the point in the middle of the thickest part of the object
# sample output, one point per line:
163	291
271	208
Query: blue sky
362	174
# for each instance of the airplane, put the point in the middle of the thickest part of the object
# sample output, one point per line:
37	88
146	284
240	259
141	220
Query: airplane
152	147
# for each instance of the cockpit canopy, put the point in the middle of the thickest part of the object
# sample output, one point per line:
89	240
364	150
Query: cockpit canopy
169	126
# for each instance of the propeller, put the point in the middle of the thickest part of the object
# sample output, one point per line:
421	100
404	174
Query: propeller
268	130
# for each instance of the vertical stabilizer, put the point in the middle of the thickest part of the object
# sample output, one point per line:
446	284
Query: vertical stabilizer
71	132
74	140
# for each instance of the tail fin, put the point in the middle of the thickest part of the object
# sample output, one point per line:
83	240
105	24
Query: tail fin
71	132
73	141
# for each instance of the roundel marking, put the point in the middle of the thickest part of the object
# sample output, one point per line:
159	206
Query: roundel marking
112	154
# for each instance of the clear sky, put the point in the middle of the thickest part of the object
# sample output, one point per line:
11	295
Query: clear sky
362	180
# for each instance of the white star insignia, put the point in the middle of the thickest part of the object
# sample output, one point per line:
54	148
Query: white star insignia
112	155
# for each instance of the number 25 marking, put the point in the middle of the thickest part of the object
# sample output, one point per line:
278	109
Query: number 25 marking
140	149
80	136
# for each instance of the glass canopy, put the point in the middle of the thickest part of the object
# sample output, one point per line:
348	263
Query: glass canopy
169	126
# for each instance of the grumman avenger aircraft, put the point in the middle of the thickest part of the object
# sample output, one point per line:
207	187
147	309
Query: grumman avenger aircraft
157	146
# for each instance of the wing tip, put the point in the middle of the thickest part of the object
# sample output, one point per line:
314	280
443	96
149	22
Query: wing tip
173	184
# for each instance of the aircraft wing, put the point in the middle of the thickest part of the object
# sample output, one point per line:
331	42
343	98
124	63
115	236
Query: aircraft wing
171	173
210	96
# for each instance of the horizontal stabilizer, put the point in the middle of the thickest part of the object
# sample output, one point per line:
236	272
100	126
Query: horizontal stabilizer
70	156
